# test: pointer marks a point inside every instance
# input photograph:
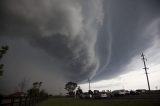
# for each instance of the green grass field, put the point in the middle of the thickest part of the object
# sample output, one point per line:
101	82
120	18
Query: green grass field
104	102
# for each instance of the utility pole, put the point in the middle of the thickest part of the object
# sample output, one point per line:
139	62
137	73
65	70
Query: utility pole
145	68
89	84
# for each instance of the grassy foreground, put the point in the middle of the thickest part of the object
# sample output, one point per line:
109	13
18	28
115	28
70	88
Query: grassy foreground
104	102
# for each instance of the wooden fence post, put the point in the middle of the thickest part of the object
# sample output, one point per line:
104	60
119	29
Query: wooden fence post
20	101
28	100
12	101
32	101
36	99
1	97
25	101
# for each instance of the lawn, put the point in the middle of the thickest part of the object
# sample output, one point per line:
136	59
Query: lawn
104	102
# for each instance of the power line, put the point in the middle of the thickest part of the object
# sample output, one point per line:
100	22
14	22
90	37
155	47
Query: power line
145	68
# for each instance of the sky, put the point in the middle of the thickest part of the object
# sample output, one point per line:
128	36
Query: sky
56	41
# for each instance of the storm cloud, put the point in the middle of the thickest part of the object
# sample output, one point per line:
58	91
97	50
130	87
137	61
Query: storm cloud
132	27
72	40
67	30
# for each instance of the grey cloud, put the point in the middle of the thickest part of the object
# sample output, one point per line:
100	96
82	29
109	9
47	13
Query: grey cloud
129	22
66	30
81	38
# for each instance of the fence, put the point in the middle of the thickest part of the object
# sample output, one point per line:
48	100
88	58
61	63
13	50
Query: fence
20	101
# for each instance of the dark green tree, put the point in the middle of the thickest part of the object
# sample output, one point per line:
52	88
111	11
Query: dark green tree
70	87
34	91
3	51
78	91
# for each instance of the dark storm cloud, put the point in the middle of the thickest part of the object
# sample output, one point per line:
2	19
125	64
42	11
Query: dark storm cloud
66	30
57	46
75	39
129	20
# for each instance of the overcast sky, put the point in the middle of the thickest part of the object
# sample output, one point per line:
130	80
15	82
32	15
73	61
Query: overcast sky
56	41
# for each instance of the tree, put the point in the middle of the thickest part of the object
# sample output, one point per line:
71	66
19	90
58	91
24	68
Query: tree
34	91
70	87
1	69
3	51
37	85
78	91
22	85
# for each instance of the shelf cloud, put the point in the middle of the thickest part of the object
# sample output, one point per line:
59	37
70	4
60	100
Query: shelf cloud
73	40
